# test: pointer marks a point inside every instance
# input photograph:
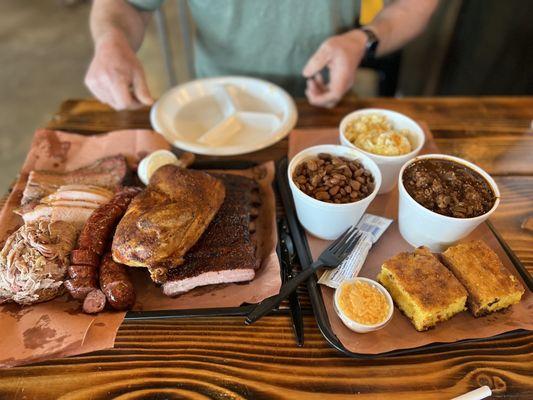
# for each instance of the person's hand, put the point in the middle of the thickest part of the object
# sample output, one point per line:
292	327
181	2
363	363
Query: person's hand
341	54
116	76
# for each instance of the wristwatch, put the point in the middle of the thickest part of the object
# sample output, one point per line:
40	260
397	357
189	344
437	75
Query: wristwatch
372	42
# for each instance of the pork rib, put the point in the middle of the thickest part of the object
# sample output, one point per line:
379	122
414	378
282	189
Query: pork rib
226	252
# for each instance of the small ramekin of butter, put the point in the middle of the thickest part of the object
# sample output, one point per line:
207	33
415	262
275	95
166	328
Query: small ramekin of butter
363	305
387	137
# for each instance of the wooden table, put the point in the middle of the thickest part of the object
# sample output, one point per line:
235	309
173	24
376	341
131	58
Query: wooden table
222	358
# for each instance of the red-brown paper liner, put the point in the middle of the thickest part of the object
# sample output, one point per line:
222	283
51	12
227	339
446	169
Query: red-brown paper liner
58	328
400	333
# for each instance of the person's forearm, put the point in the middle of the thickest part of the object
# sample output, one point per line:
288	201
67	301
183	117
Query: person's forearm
118	19
400	22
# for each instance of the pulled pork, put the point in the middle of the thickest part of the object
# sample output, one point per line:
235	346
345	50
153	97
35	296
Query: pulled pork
34	261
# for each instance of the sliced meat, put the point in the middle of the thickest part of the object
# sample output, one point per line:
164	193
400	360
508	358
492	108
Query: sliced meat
109	172
71	203
39	212
82	194
99	190
180	286
94	302
73	215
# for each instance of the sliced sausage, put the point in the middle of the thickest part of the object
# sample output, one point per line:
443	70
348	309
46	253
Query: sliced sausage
80	287
94	302
116	284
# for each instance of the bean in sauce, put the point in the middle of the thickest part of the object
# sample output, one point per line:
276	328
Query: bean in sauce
448	188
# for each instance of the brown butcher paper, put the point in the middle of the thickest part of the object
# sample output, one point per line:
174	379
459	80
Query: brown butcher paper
58	328
400	333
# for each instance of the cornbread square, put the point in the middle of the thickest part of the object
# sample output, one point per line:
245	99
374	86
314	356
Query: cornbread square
489	284
424	289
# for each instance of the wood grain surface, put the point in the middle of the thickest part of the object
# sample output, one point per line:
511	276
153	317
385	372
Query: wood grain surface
221	358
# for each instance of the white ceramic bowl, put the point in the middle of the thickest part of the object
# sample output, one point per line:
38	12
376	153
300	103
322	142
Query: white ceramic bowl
388	165
329	220
422	227
356	326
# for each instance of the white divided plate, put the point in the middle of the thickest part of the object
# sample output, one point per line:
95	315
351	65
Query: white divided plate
224	116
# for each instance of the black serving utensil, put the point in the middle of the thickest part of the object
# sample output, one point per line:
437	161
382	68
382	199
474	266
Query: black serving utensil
287	260
332	257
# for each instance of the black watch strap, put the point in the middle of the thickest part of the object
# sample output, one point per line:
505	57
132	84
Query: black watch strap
372	43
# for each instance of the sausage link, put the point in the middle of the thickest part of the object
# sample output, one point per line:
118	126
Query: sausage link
79	288
82	271
92	242
124	197
116	284
94	302
84	257
98	228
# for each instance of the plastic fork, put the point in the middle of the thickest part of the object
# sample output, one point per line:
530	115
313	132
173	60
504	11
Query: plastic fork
332	257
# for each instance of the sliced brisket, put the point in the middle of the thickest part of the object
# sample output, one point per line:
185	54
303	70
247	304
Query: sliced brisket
108	172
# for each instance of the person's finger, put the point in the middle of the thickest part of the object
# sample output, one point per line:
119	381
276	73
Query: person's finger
99	90
318	96
340	81
322	99
311	91
94	87
140	88
317	100
341	77
313	86
318	82
319	79
120	92
317	61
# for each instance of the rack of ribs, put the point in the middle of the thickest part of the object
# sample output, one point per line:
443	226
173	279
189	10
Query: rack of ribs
226	252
